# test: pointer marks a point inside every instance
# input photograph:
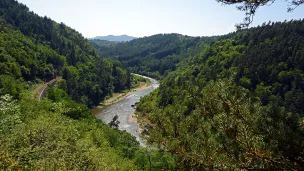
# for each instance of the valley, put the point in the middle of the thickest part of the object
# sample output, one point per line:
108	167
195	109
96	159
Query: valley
167	101
124	109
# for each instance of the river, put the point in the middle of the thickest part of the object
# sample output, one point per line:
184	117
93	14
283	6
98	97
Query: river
123	110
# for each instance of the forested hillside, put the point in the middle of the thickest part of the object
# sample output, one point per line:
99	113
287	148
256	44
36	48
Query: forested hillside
232	102
238	104
112	38
101	43
59	132
38	47
154	55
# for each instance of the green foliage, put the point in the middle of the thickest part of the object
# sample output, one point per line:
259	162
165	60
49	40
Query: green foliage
147	159
237	104
213	127
36	47
153	56
136	79
230	102
100	43
57	133
9	85
48	139
22	57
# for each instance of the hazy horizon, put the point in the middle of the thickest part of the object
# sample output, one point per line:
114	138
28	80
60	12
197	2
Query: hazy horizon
140	18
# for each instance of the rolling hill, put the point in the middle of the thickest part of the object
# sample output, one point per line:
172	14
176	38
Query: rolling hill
121	38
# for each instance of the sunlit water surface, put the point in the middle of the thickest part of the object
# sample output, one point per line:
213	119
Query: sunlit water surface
123	109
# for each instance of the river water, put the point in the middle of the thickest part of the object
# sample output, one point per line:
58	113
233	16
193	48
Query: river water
123	110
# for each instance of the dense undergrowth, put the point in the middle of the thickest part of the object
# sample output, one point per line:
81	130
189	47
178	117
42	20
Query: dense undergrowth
228	102
237	104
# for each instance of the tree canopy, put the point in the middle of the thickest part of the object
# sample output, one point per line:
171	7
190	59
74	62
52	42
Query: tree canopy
229	102
34	47
59	132
237	104
153	56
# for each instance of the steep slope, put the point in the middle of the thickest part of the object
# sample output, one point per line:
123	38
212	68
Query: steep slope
89	79
23	59
238	104
59	37
56	133
154	55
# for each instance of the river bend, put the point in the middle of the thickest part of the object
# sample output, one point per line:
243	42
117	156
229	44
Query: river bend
123	109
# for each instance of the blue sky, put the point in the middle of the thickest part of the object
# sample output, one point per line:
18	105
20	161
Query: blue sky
148	17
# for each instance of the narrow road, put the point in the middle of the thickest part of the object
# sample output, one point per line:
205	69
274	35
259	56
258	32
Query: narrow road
42	90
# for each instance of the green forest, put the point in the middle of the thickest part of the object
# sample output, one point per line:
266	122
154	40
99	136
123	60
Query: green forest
59	132
153	56
34	47
237	104
231	102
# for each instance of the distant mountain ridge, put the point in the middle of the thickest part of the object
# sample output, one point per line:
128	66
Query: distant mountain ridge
121	38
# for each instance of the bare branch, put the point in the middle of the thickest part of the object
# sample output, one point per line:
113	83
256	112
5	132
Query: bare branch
250	7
